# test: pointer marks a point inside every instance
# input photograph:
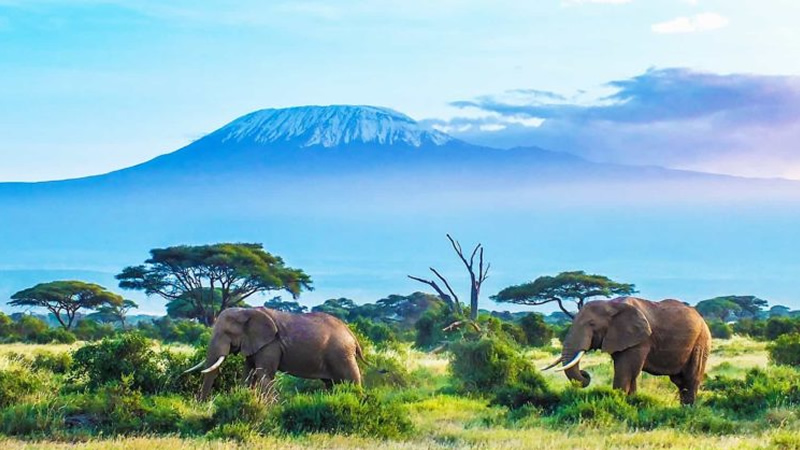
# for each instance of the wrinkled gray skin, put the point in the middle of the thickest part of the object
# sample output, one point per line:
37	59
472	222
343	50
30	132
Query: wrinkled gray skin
314	345
660	338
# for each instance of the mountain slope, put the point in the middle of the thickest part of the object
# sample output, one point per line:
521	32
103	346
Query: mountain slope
362	196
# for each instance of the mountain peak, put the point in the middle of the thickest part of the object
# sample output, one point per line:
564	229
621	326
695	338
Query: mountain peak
330	126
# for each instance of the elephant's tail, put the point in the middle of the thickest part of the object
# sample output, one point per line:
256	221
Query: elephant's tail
360	353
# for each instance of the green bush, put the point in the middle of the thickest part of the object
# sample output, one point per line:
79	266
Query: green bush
378	333
720	330
384	370
755	329
758	391
109	360
16	382
241	405
530	389
537	332
90	330
486	364
32	420
344	410
785	350
778	326
58	363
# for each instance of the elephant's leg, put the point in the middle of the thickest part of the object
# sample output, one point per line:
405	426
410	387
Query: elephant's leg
692	376
628	366
346	370
265	365
328	383
249	371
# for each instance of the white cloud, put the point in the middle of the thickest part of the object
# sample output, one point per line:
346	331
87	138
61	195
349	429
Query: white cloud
530	122
492	127
693	24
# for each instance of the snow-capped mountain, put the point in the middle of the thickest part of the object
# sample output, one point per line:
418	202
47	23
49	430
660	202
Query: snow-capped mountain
330	126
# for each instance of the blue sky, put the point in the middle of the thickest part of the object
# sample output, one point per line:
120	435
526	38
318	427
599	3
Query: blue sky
88	86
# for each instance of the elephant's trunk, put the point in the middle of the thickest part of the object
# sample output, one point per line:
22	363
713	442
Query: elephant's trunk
577	342
218	349
575	373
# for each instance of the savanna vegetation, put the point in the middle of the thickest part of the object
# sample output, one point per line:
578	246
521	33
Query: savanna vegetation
439	372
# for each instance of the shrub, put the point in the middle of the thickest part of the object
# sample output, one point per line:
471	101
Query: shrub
778	326
90	330
16	383
750	327
241	405
384	370
514	333
58	363
344	410
530	389
537	332
379	333
32	420
785	350
486	364
720	330
109	360
760	390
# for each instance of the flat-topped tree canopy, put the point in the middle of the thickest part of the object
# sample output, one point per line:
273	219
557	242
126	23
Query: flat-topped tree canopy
65	298
211	278
576	286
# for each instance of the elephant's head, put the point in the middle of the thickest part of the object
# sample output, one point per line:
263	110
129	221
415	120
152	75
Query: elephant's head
244	330
611	326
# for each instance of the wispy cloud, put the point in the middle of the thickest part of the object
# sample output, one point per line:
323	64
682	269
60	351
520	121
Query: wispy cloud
739	124
694	24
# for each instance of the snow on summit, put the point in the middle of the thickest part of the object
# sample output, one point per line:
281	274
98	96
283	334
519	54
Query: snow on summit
330	126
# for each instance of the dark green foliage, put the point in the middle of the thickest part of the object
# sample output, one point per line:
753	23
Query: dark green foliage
241	405
429	328
108	361
785	350
753	328
337	307
344	410
90	330
537	332
720	330
758	391
33	330
182	331
576	287
65	298
196	275
58	363
779	326
530	389
15	383
486	364
731	307
383	370
278	304
378	333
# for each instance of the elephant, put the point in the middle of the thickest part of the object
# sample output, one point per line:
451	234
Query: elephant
660	338
313	345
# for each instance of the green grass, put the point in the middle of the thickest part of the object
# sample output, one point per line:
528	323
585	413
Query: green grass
438	414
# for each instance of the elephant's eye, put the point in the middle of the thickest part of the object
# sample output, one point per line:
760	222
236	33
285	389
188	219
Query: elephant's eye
591	323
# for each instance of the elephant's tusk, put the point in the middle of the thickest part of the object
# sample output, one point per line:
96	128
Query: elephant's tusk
555	363
214	366
199	365
574	361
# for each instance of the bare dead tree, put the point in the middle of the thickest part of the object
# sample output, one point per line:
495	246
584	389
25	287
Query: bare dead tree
476	281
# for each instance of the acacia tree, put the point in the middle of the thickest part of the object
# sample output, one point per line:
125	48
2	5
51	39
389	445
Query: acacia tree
118	313
279	304
197	274
65	298
476	280
575	287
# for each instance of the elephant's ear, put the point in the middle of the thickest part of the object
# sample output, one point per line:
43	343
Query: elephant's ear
259	330
628	327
